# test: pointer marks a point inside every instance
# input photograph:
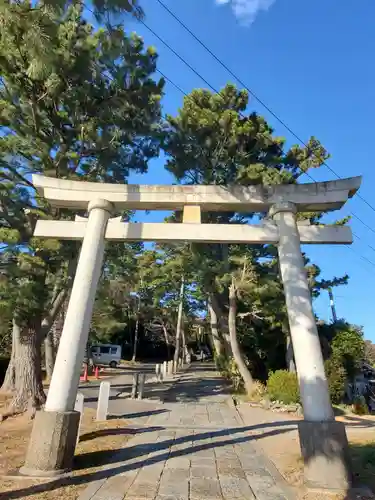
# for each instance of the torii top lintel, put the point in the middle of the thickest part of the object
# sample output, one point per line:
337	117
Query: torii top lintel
319	196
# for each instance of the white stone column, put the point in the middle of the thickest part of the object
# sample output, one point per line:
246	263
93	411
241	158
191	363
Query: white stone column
307	350
65	379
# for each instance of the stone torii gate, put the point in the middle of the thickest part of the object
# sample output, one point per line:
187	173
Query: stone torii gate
323	440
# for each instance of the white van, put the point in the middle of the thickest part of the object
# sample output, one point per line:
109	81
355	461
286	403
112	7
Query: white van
106	354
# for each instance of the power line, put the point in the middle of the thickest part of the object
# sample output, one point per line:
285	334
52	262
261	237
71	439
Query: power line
365	259
256	97
171	82
354	215
153	32
216	91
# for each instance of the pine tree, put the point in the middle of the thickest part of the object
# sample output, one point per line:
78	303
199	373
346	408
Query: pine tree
214	140
75	103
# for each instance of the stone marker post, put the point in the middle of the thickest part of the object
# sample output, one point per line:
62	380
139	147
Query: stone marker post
141	386
80	400
54	434
103	401
165	369
170	367
135	385
158	372
323	441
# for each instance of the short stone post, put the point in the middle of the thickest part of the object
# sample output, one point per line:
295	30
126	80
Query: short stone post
170	367
158	371
103	401
80	400
54	435
323	441
141	385
165	370
135	385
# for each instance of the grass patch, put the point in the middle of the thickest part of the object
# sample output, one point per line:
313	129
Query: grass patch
363	458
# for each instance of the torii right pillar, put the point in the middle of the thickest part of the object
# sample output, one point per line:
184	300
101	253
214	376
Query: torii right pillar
323	441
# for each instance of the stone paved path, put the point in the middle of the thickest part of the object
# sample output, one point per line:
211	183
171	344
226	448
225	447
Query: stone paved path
198	448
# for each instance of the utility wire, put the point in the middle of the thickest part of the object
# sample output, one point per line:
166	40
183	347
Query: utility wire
216	91
153	32
365	259
255	96
167	78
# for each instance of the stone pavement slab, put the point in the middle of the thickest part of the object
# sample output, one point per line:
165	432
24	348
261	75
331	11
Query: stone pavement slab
211	457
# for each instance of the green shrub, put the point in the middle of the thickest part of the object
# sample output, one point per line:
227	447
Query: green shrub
282	386
221	362
336	376
259	391
228	368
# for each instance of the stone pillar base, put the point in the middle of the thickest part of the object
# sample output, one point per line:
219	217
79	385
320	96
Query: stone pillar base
52	444
325	453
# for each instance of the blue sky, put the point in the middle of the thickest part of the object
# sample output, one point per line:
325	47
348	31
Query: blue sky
313	64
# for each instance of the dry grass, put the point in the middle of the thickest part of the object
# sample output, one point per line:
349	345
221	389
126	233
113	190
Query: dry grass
290	464
96	437
283	449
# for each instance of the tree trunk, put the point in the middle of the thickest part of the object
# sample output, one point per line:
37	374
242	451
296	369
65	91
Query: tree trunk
9	384
58	326
166	341
52	340
217	342
222	322
236	350
24	374
60	300
135	345
290	363
289	353
49	354
179	322
29	393
184	351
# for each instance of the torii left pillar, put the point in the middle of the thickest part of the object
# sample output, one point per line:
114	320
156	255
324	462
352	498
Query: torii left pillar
54	434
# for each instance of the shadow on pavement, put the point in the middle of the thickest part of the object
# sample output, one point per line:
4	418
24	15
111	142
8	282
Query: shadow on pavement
138	414
110	432
105	457
190	389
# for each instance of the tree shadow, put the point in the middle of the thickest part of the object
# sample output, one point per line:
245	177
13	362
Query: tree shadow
135	457
121	456
354	421
122	392
139	414
106	432
190	389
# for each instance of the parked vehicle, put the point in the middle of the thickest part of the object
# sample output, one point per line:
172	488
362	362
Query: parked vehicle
202	354
106	355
